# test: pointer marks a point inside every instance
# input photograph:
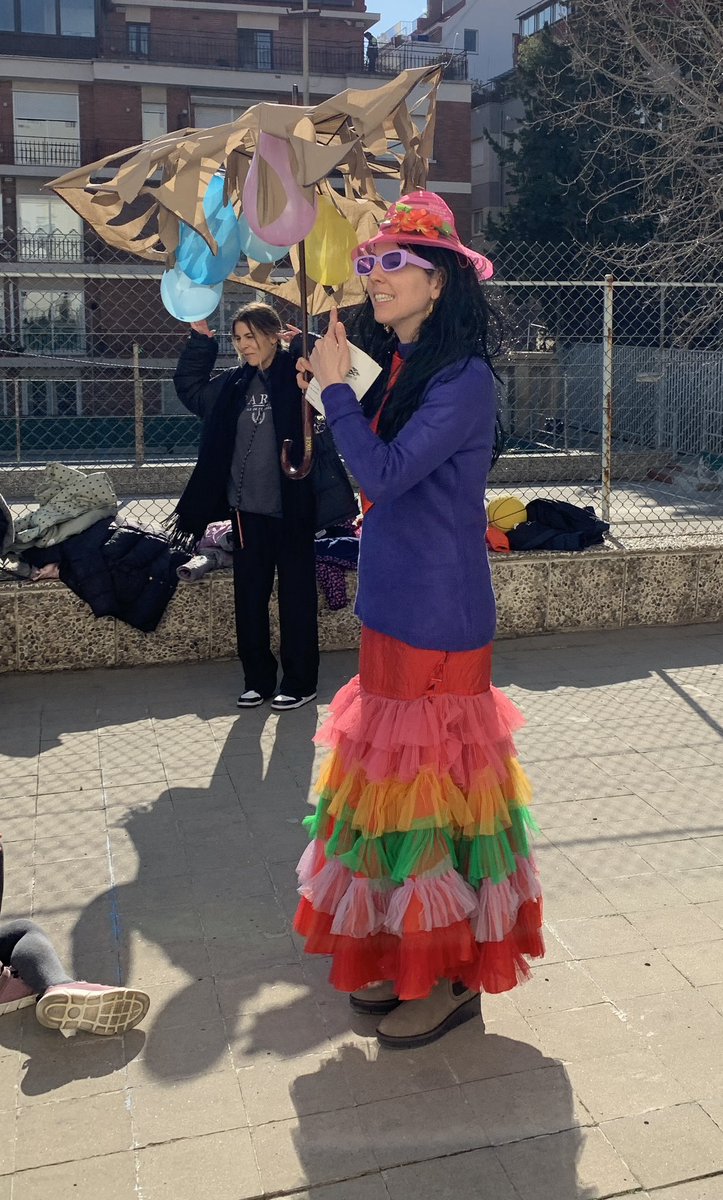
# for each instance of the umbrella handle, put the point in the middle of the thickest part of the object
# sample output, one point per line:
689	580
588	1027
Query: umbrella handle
307	412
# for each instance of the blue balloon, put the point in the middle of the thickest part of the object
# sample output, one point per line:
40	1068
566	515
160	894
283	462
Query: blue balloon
187	300
254	247
194	257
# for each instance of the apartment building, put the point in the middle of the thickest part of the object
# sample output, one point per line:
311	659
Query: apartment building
80	79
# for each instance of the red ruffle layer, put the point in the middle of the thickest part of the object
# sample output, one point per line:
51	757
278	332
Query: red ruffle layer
415	961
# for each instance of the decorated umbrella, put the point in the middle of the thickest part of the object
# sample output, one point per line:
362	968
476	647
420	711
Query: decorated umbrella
196	200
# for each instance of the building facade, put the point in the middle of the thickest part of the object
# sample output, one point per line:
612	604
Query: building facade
80	79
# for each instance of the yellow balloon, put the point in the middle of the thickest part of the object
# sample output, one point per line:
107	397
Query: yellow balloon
329	245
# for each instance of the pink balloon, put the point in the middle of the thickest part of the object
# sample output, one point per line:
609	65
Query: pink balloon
297	219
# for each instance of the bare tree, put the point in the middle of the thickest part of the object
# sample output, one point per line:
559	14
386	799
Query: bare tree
650	76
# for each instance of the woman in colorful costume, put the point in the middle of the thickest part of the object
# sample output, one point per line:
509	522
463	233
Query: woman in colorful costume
418	879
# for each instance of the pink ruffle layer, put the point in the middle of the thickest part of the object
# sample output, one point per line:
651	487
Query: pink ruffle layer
459	736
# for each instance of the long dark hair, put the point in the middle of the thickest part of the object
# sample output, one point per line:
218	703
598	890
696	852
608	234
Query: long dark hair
462	325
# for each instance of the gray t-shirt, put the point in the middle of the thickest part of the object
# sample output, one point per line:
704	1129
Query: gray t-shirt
255	481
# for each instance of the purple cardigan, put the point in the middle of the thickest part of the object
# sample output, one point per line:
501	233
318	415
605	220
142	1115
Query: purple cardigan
424	574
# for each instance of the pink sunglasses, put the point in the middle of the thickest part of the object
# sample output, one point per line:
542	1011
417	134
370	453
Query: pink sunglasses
391	260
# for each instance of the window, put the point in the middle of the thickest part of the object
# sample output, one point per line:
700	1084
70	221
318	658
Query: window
139	37
205	116
527	26
155	121
470	41
77	18
7	14
46	128
48	230
51	398
255	49
37	16
53	322
478	221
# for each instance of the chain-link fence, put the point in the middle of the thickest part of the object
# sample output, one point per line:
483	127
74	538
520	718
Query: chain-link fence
611	389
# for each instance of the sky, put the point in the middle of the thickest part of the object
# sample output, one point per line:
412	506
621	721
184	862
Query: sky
395	10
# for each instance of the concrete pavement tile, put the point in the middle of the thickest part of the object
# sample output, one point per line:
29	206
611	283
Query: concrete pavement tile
699	886
526	1105
188	1108
677	760
714	845
259	991
714	995
68	781
607	863
221	1165
375	1073
669	1145
584	1032
292	1031
683	855
643	973
73	881
696	1189
112	1176
700	963
598	937
56	1068
568	893
555	952
144	962
636	893
316	1082
8	1130
306	1151
517	1049
566	1166
72	845
623	1084
54	803
477	1173
64	1130
714	1109
173	1053
425	1125
556	987
178	1007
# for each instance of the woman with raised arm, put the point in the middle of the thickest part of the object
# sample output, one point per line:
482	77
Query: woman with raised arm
419	880
248	412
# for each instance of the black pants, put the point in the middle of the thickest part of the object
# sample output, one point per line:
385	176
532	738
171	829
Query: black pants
29	951
269	545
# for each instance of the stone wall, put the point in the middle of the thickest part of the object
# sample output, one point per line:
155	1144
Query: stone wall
44	627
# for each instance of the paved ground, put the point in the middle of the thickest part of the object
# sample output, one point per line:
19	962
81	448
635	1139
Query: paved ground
153	832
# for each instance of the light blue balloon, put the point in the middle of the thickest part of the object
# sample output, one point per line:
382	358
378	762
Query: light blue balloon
186	300
194	257
254	247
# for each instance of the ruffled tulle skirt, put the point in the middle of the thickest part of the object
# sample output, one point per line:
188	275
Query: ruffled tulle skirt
419	866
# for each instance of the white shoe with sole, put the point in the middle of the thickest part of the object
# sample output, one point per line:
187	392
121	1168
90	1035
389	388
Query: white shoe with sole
92	1007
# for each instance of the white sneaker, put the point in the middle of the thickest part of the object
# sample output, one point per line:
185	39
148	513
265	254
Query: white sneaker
250	699
281	702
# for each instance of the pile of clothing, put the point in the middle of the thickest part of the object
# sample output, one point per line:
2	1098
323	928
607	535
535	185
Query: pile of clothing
121	569
337	554
542	525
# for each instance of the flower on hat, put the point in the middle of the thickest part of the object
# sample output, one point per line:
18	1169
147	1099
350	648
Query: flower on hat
403	218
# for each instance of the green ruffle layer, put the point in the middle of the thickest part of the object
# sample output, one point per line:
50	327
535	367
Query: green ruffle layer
398	855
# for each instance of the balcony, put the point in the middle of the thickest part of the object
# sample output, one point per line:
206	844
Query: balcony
54	152
280	57
44	45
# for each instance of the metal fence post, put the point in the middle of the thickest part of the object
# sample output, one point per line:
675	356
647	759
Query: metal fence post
138	405
607	397
18	415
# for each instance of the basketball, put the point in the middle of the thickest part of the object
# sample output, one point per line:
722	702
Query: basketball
506	512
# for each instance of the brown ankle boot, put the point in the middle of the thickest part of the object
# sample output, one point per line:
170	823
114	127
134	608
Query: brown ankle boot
375	1000
418	1022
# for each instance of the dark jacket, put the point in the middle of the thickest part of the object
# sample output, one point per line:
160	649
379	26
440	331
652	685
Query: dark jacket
122	571
218	401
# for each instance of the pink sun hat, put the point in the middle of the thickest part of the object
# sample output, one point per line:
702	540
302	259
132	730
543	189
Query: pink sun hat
423	219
